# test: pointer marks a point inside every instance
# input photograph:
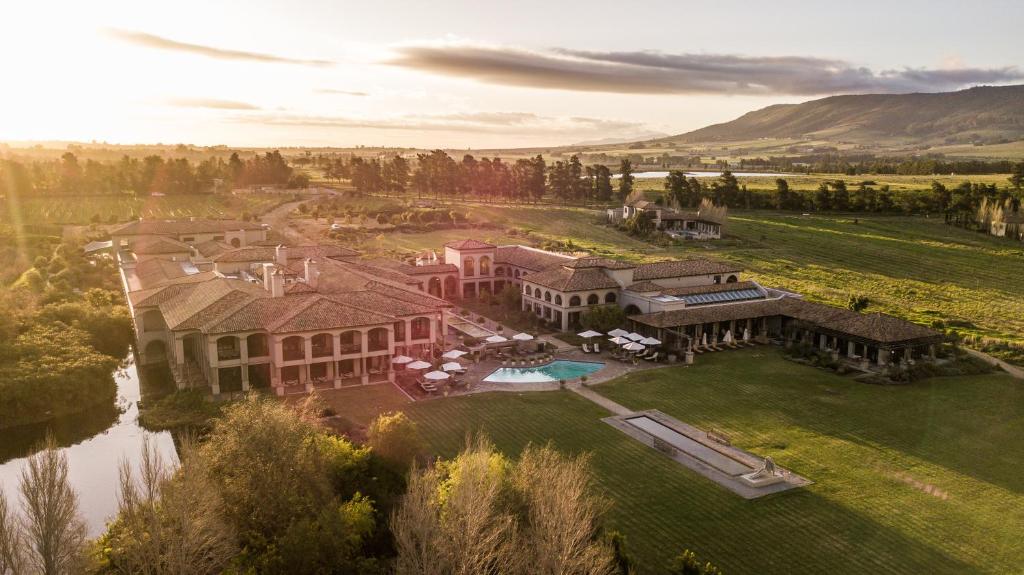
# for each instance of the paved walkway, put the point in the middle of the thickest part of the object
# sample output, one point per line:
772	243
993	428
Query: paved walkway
1010	369
611	406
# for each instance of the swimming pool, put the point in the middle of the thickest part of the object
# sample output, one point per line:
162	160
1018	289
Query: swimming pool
554	371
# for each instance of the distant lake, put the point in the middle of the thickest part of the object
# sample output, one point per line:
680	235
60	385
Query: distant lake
94	442
662	175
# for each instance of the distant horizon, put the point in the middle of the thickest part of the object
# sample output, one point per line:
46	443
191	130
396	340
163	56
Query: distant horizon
320	74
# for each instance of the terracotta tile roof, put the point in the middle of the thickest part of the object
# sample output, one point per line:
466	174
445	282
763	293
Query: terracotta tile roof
213	248
597	262
178	227
681	216
156	271
713	288
529	258
325	313
878	327
645	287
205	303
298	287
683	268
875	327
469	245
269	254
409	269
156	296
566	279
159	246
260	314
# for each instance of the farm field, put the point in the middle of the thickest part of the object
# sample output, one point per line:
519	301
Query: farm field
79	210
908	479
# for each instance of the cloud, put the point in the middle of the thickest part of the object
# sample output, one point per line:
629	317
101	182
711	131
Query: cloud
210	103
161	43
647	72
340	92
474	122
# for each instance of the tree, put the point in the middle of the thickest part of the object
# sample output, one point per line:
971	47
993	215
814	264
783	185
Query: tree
603	318
50	537
823	198
395	438
686	564
625	178
678	188
1017	177
639	224
857	302
602	183
782	201
483	513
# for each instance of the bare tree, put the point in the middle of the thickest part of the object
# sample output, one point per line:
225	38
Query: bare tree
10	540
481	513
169	523
49	538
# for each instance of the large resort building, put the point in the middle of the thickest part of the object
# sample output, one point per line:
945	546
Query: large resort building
230	310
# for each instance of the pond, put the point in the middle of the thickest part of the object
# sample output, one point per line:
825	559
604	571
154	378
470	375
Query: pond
94	442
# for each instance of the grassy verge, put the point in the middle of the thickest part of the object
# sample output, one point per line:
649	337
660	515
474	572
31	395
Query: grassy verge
908	479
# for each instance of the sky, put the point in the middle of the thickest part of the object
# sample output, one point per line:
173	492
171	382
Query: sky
464	74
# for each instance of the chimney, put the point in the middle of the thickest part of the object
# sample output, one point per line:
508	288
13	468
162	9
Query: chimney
268	269
277	283
281	255
312	272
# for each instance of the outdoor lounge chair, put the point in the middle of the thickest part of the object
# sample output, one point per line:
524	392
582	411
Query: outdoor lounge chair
586	349
652	357
596	349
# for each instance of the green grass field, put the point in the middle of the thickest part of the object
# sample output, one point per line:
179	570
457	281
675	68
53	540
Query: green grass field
81	209
912	479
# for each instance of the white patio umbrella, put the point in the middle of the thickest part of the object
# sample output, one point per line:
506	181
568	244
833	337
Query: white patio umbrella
634	346
650	341
522	337
451	366
496	339
401	359
619	340
436	375
634	336
454	354
589	334
618	332
419	364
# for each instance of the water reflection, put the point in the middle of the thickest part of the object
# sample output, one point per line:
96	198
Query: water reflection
95	442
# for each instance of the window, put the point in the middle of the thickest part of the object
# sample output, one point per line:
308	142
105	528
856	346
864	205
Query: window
227	348
399	331
378	339
718	279
558	300
516	273
574	301
218	238
294	348
323	345
485	266
731	279
499	271
526	289
592	299
547	296
609	297
536	293
467	268
351	342
188	239
421	328
257	345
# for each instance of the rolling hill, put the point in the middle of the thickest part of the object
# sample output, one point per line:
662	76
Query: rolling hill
982	115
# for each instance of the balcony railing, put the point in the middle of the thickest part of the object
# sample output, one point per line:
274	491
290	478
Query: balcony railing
228	354
293	354
378	345
421	334
347	348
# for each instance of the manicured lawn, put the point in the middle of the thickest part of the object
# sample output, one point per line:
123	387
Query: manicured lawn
915	479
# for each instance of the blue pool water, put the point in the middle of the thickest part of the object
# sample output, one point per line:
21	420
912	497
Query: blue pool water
554	371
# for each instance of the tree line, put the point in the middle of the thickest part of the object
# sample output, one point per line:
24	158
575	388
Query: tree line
438	175
151	174
959	205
